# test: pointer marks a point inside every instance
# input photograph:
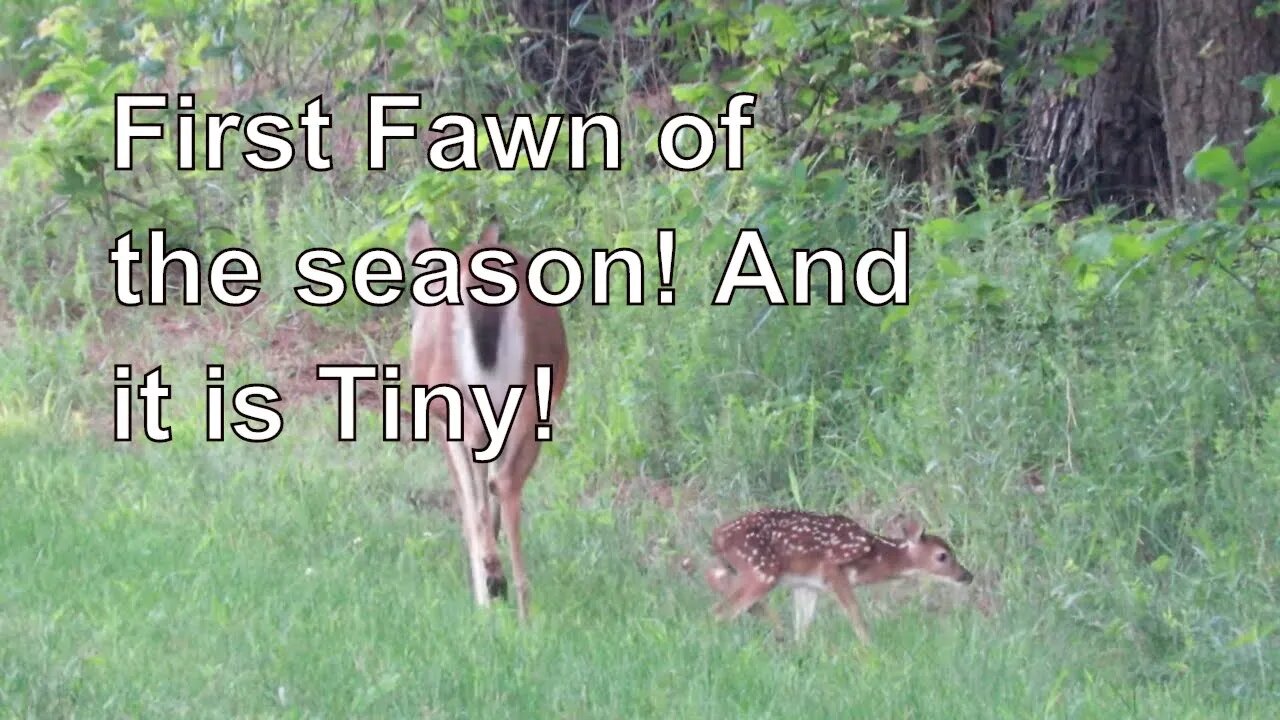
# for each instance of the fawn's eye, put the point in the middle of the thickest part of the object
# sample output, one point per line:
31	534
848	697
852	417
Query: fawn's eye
942	557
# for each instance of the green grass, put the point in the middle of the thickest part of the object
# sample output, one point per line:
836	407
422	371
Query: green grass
294	579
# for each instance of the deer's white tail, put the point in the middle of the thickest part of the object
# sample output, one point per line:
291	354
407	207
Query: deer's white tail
489	345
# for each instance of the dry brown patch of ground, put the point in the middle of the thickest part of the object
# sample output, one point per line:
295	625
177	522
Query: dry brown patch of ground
25	120
286	347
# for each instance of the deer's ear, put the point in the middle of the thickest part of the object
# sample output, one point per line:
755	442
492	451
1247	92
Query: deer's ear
489	236
418	238
897	524
913	530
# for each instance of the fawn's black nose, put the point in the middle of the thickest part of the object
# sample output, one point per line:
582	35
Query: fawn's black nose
966	578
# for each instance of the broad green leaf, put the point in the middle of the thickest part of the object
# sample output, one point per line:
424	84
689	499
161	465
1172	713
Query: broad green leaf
1129	247
1042	212
1215	165
875	116
376	237
949	268
1087	280
689	93
1271	94
943	230
990	293
979	224
1161	237
893	314
781	26
458	14
833	188
394	40
72	183
1086	60
1262	154
594	25
1093	247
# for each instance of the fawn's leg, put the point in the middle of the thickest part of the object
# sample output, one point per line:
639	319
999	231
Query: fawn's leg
804	605
749	592
722	582
771	614
755	578
839	583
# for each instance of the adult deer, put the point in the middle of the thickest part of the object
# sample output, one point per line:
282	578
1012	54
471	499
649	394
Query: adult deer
811	554
497	347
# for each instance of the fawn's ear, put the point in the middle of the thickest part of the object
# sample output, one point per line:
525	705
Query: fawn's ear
418	238
896	524
489	236
913	530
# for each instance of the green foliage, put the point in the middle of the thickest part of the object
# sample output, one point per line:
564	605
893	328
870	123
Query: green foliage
1239	240
823	73
87	53
1086	60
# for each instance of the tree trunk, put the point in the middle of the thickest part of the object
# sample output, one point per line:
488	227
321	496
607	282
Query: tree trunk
1171	84
1205	49
1105	142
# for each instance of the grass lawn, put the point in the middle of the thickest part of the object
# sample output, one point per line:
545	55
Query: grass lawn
1108	469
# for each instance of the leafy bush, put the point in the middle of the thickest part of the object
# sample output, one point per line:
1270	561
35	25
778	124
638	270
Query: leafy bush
1241	239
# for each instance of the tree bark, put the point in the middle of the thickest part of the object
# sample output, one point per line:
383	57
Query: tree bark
575	66
1104	143
1172	83
1204	49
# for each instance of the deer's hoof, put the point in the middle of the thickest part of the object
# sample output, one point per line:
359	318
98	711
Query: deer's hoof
497	585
